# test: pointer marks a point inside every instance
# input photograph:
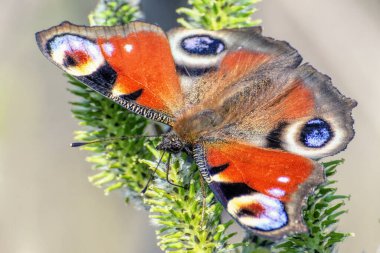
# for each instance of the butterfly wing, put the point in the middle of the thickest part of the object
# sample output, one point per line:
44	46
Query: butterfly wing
130	64
263	189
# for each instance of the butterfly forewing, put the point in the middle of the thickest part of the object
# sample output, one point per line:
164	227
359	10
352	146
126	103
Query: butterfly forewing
130	64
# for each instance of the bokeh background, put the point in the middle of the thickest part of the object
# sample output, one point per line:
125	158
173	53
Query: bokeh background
47	204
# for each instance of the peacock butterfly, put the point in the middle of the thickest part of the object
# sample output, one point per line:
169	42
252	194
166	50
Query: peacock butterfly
254	118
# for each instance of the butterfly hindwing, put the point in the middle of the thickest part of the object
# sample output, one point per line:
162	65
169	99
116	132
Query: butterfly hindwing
263	189
131	64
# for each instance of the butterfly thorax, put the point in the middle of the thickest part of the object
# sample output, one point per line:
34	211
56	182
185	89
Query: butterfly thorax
189	128
194	125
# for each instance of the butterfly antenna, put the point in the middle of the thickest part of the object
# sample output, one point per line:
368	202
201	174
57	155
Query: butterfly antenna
168	172
152	175
79	144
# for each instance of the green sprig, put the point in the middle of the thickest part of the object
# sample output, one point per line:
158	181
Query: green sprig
178	210
114	12
117	162
218	14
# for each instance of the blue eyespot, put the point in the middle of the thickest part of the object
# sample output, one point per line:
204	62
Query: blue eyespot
316	133
202	45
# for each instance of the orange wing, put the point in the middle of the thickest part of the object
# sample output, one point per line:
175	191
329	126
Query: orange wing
130	64
263	189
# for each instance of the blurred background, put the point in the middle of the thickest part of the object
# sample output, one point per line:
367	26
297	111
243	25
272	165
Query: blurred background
46	202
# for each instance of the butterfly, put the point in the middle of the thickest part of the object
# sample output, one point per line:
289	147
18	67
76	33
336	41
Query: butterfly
254	118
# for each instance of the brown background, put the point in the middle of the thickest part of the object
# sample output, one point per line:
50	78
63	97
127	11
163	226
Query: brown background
46	202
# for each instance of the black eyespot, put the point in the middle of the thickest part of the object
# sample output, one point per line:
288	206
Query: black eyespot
274	137
104	77
202	45
232	190
316	133
134	95
218	169
69	61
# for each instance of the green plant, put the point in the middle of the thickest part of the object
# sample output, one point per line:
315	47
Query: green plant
127	164
219	14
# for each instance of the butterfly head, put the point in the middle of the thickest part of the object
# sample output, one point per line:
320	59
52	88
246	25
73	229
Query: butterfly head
171	143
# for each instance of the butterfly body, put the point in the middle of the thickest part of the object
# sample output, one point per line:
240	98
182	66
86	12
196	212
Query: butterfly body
253	118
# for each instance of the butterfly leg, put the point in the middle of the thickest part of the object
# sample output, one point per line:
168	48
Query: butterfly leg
152	175
168	172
